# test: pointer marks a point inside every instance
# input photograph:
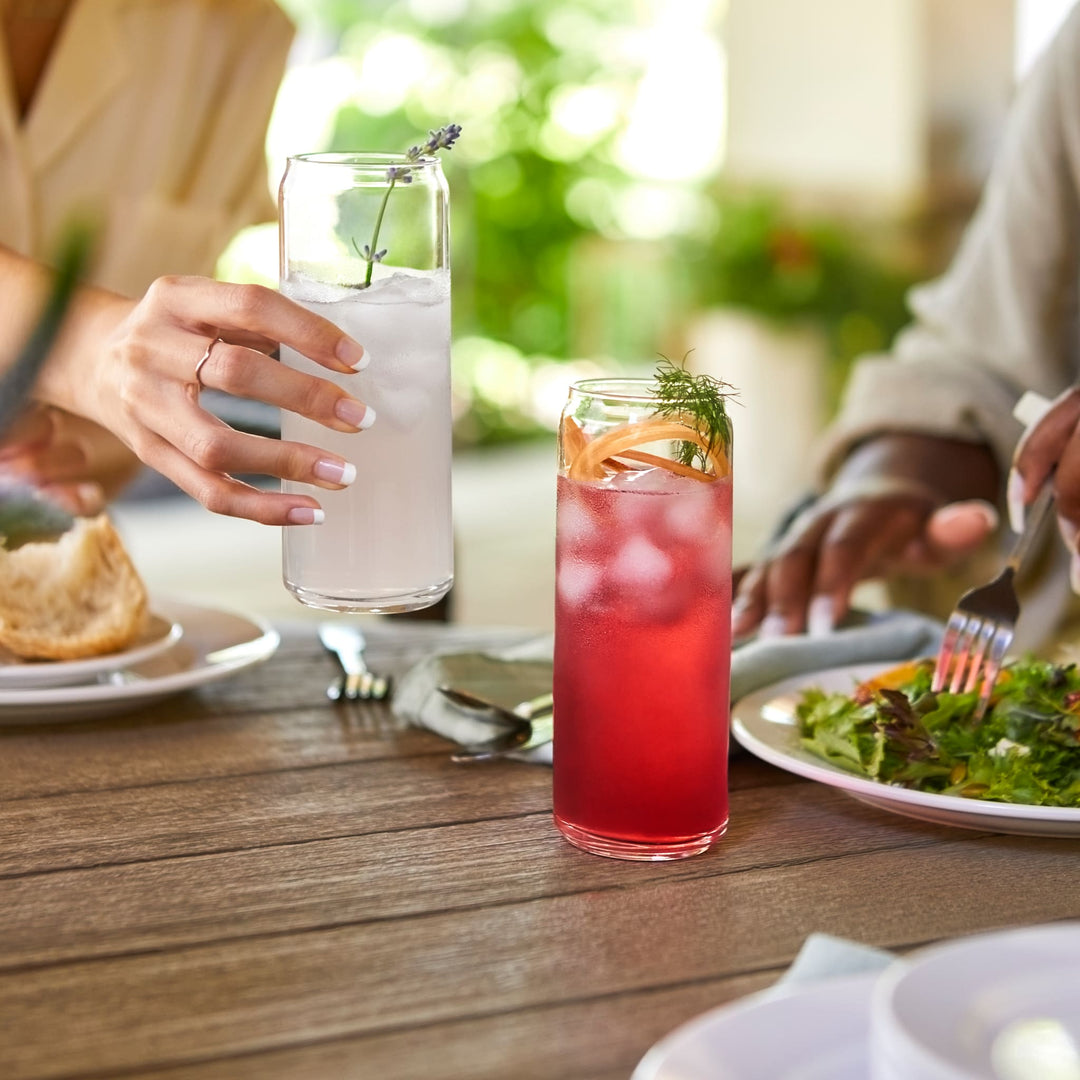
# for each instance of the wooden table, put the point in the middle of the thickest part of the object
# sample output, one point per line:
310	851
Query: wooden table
249	882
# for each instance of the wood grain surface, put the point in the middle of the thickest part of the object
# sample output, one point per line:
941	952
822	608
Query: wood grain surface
250	882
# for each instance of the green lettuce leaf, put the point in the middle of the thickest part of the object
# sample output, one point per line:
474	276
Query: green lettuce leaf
1025	750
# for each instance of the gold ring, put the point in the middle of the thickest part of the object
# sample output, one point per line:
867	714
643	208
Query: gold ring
205	356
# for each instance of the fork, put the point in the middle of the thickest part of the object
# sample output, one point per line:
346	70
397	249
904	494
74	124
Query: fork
359	682
983	623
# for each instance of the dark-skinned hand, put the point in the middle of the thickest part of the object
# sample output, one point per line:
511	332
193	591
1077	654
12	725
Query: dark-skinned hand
899	503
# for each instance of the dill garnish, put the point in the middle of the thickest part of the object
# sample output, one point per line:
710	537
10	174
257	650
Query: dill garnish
699	401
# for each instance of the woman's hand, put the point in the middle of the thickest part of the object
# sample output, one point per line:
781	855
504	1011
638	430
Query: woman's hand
131	368
899	503
1051	445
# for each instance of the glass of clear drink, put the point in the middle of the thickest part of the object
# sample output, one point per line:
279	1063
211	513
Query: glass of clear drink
364	242
642	624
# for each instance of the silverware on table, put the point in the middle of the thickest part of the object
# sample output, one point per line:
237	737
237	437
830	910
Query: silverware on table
500	746
523	727
359	682
981	627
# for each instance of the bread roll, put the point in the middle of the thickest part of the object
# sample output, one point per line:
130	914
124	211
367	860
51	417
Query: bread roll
77	596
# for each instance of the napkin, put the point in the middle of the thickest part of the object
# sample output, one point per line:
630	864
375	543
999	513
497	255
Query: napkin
864	638
505	677
823	956
517	674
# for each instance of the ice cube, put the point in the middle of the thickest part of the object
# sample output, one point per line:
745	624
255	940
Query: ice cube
399	405
716	558
307	290
667	604
423	289
576	581
641	565
574	522
400	288
693	515
656	480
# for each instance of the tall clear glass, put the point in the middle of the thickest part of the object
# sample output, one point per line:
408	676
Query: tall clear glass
642	627
386	543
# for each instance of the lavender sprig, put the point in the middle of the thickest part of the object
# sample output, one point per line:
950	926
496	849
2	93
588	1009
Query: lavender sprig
443	139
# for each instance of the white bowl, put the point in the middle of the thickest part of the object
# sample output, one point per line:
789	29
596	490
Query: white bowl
1000	1006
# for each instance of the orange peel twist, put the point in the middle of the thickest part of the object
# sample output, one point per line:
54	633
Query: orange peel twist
585	458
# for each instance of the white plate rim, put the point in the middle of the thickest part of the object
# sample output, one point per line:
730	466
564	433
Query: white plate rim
750	729
37	675
661	1061
257	647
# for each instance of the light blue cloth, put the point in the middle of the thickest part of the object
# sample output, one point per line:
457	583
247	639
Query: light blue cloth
823	956
519	674
889	637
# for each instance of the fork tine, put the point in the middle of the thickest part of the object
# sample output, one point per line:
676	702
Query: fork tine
981	626
948	649
966	639
986	634
1003	636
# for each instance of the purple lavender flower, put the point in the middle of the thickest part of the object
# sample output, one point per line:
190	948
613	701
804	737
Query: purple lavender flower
443	139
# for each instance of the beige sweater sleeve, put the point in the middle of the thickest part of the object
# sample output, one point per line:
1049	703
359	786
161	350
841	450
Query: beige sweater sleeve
1004	317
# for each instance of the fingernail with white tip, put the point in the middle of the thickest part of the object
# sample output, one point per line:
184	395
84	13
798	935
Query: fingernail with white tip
305	515
352	354
772	626
1031	408
1014	500
355	412
336	472
819	616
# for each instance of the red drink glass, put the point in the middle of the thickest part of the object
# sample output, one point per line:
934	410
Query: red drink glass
642	628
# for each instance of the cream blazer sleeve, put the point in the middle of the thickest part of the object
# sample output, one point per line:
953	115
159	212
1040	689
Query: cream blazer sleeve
1004	317
150	120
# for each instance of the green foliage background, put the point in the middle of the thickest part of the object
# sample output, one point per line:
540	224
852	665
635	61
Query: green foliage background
541	267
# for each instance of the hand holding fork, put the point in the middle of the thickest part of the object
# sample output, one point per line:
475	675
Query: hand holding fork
983	623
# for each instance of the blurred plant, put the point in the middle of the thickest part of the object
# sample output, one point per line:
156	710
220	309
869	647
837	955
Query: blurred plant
532	182
499	67
563	246
767	260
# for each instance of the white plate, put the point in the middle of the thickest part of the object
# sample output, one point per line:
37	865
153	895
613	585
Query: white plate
1001	1004
774	737
215	644
825	1027
157	636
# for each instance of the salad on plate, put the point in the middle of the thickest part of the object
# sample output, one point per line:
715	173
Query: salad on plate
893	729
